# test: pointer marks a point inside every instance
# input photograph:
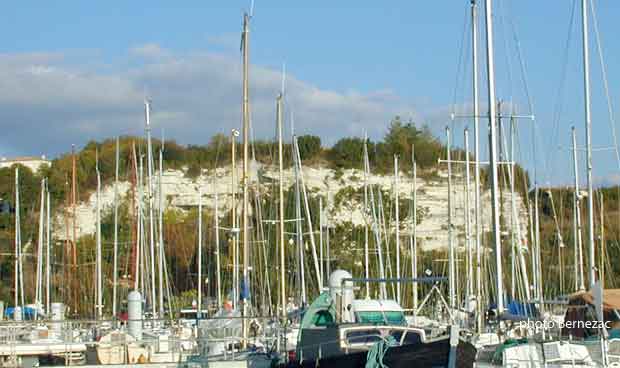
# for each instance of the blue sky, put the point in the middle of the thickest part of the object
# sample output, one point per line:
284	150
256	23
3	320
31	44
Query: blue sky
71	71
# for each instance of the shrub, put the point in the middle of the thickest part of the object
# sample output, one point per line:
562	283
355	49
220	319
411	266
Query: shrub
193	170
309	146
347	153
399	141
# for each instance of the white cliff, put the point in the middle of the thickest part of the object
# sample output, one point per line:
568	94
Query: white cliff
181	192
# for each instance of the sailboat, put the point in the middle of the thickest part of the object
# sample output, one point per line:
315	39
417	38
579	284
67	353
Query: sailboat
226	339
586	339
146	338
339	330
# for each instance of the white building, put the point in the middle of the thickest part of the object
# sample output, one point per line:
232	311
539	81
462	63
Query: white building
31	162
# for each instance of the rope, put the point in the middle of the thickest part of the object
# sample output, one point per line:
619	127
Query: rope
459	63
522	67
553	146
506	49
374	359
612	121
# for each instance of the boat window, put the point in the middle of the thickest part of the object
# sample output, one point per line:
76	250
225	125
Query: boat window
363	337
412	338
397	335
188	315
395	318
323	318
372	317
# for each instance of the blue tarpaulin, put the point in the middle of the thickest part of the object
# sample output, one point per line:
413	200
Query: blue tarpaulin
522	309
245	291
27	312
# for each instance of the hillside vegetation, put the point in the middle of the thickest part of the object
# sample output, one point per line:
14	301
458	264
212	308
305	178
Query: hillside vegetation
179	227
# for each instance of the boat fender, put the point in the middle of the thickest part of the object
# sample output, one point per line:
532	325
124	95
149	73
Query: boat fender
454	342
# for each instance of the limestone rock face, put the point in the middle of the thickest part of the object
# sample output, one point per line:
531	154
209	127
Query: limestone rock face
181	192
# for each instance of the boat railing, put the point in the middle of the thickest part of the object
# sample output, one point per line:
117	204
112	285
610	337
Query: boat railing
399	280
73	336
342	342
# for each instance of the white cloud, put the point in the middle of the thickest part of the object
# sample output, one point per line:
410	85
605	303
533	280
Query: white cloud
230	40
149	51
47	103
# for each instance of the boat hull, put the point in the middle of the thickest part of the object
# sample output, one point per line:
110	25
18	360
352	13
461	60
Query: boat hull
428	355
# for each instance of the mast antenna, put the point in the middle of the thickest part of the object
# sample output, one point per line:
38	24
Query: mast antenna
147	110
283	78
163	140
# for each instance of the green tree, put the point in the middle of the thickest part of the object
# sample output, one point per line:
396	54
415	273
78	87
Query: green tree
29	206
309	146
399	140
347	153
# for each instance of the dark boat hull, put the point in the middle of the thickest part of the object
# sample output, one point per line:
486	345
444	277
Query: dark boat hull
428	355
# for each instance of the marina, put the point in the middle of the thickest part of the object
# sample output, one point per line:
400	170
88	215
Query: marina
417	246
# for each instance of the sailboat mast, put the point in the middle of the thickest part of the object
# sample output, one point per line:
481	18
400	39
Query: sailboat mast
76	285
149	192
375	225
470	280
48	241
533	258
538	270
66	256
138	209
513	213
321	242
99	290
588	123
493	155
579	277
141	254
17	239
199	252
299	231
413	238
281	207
397	227
217	249
39	287
366	215
21	255
451	265
328	263
115	260
477	232
515	216
302	185
160	207
603	250
246	134
235	226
